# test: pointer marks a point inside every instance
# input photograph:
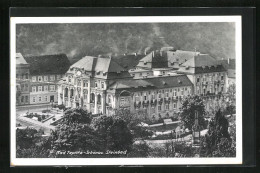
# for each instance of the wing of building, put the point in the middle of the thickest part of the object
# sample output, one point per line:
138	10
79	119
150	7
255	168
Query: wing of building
22	80
44	73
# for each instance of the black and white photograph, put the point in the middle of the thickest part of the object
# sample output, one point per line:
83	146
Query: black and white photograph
126	90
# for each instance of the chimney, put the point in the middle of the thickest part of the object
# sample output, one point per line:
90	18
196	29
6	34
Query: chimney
135	54
160	53
228	60
152	54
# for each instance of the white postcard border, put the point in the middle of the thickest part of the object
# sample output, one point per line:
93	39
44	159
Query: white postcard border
126	161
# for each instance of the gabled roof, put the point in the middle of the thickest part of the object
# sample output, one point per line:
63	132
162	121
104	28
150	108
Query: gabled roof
103	67
20	59
202	63
155	59
107	65
48	64
201	60
86	62
128	61
180	56
152	83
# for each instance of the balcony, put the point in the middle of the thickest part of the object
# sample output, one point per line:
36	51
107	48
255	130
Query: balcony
175	98
153	102
137	104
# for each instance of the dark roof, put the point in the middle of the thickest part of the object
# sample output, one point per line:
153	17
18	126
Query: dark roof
102	67
48	64
212	69
128	61
152	83
202	63
228	64
155	59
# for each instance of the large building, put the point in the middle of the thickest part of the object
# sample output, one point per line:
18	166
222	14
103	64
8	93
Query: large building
154	83
22	80
45	72
230	66
206	73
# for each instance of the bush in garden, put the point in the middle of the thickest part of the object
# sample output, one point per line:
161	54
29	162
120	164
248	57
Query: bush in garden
140	150
39	118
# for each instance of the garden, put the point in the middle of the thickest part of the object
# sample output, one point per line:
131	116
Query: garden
39	117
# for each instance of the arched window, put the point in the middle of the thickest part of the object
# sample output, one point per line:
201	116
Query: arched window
99	99
92	99
71	93
79	82
66	92
109	98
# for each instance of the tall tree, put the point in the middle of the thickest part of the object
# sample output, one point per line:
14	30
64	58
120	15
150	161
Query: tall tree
217	142
189	106
114	131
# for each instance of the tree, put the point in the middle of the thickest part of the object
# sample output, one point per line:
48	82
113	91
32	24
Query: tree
231	99
25	138
217	142
133	121
114	131
75	137
140	150
226	102
189	106
30	144
76	115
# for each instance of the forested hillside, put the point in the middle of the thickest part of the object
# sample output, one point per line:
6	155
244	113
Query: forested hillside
78	40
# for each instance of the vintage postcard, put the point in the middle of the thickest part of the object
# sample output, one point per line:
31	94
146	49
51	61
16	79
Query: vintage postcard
126	90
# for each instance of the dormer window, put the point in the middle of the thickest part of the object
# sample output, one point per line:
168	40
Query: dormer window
69	79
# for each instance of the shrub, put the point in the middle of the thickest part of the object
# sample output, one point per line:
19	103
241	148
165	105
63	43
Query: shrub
46	111
39	118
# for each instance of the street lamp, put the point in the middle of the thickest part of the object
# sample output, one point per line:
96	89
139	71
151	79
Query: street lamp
196	130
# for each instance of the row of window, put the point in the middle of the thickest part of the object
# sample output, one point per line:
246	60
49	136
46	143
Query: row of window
159	95
24	87
24	99
43	88
210	78
166	107
40	98
22	76
205	91
45	78
100	85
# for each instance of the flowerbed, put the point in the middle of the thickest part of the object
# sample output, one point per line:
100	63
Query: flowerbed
39	117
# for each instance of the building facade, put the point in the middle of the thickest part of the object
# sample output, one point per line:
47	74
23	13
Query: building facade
102	86
154	84
45	72
206	73
22	81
